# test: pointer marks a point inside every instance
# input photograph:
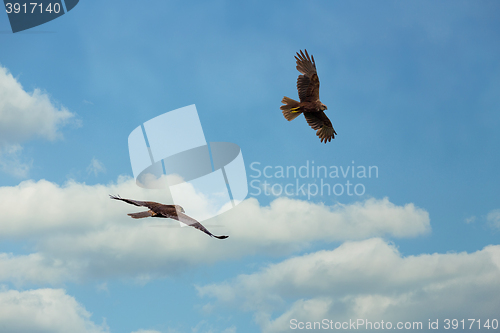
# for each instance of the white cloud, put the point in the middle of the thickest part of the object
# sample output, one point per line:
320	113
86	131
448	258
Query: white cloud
96	167
367	279
146	331
32	268
494	218
44	310
33	207
80	233
24	115
296	220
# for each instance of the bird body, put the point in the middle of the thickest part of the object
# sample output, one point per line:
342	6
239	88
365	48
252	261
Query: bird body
156	209
309	105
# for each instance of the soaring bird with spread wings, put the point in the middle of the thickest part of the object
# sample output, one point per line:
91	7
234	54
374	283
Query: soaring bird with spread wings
309	105
175	212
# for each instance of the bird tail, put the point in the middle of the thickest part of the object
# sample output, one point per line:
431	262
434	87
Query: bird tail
140	215
291	109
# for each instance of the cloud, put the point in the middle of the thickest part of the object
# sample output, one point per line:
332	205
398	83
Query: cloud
470	219
206	327
11	161
32	268
79	233
297	220
44	310
493	218
367	279
200	327
96	167
31	208
24	115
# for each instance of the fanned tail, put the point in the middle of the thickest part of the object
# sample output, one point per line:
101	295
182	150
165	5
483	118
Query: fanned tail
291	109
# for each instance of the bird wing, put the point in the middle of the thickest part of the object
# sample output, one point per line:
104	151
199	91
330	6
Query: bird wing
168	211
320	122
150	204
195	224
308	83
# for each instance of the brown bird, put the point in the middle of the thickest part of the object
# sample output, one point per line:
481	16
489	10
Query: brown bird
309	105
175	212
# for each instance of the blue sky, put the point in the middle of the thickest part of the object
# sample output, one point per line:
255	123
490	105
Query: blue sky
411	88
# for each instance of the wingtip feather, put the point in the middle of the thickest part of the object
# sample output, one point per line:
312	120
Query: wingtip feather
221	237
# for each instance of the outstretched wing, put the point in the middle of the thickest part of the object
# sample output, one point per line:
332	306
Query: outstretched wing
195	224
150	204
308	83
320	122
168	211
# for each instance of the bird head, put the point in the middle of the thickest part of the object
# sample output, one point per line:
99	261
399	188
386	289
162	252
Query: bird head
179	209
323	107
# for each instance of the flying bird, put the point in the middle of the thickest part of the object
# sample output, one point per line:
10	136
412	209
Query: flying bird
309	105
175	212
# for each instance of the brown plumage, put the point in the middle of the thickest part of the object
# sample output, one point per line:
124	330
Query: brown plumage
309	105
175	212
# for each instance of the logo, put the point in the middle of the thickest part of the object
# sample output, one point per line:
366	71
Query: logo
170	152
28	14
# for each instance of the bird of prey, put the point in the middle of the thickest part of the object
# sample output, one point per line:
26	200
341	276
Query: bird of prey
175	212
309	105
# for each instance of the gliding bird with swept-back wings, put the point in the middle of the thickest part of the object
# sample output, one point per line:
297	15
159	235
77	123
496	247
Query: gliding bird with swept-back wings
175	212
309	105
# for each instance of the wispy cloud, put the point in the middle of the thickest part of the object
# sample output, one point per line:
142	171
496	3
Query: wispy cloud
12	162
493	218
95	167
470	220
